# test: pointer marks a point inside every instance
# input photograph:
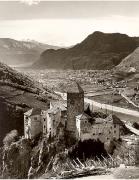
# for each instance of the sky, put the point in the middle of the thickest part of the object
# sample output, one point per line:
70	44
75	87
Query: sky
65	23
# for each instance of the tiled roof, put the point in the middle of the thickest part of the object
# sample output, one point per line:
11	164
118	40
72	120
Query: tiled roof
33	111
83	116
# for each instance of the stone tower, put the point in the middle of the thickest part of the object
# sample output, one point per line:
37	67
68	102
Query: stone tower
75	106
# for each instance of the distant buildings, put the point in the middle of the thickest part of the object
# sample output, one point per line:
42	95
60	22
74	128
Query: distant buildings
69	116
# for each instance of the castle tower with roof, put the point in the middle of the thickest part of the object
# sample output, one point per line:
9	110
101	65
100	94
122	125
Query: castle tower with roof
75	106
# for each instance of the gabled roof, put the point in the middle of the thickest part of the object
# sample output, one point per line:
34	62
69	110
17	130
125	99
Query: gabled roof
33	112
53	110
114	119
83	116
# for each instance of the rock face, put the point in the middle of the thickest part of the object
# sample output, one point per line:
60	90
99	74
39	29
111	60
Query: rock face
14	52
98	51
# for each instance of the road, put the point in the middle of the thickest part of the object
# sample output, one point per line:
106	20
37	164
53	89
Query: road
111	108
128	100
91	94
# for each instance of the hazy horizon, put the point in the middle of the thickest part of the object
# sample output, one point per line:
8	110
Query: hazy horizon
66	23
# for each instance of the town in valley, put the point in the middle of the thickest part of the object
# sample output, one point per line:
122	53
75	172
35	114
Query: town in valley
69	89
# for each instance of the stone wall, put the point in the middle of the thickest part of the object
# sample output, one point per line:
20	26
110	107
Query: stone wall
104	131
32	126
53	120
36	125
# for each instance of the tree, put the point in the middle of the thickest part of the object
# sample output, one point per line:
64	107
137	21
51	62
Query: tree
12	136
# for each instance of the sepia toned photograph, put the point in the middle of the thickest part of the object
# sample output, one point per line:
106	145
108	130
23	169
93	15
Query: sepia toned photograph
69	89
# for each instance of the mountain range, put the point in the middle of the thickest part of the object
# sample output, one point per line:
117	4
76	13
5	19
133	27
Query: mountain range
98	51
13	52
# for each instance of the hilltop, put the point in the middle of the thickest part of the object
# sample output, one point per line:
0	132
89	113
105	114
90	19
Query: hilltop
18	93
98	51
13	52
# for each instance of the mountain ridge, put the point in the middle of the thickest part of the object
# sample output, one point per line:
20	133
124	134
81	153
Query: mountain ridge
98	51
14	52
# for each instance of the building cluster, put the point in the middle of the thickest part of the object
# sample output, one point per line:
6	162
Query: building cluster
70	116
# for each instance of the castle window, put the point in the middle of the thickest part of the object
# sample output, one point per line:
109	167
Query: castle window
114	125
35	118
114	131
44	119
44	126
93	134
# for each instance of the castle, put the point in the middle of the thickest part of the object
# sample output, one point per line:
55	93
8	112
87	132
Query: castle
70	116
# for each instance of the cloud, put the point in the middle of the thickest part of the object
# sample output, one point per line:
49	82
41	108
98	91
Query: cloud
30	2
